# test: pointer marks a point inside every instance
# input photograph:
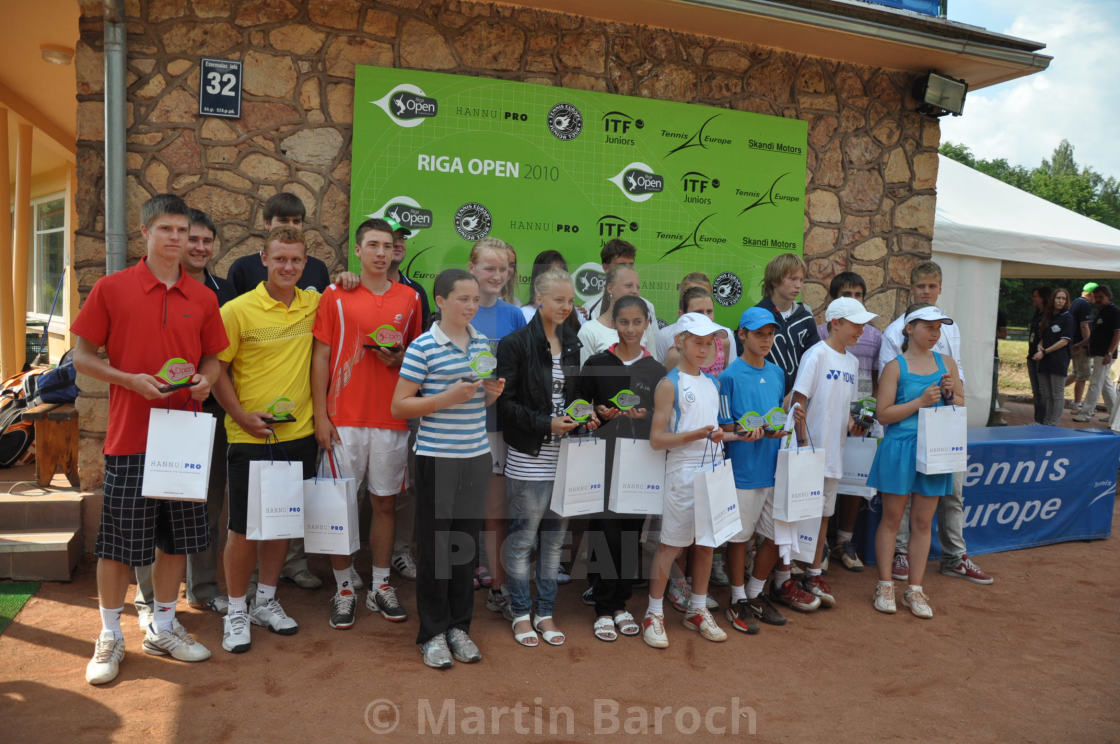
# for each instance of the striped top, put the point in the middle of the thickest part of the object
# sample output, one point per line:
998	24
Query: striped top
434	362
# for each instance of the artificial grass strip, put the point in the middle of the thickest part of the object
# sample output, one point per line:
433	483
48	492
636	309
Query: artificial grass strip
13	596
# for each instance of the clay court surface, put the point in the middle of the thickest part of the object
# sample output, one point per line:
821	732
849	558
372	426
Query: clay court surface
1033	658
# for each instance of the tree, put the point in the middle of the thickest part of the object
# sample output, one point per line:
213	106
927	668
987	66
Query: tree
1059	180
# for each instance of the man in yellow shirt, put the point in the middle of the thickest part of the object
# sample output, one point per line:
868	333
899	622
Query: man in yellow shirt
265	375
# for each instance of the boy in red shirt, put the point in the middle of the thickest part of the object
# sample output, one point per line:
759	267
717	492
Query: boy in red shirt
360	338
144	316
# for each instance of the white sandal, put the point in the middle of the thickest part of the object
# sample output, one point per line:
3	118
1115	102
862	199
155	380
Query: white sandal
524	638
604	629
550	636
626	623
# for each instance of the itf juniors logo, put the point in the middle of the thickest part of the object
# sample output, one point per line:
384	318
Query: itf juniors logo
638	182
565	121
473	221
406	211
407	106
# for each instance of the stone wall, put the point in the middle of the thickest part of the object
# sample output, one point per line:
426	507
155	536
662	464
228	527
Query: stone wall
872	161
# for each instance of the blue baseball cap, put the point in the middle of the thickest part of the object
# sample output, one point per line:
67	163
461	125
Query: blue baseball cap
756	317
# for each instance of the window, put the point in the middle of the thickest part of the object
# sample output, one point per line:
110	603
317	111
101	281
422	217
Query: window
48	254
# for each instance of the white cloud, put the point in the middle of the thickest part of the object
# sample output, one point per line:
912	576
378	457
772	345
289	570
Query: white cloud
1074	99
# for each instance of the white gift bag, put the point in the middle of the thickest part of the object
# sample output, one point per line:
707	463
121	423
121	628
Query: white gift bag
330	512
177	455
715	503
275	510
859	454
799	484
580	471
942	440
804	546
637	478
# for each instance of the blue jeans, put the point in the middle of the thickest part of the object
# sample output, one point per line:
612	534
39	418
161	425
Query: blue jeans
530	517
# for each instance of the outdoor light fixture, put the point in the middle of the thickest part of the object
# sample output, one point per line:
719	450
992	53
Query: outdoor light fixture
56	55
940	94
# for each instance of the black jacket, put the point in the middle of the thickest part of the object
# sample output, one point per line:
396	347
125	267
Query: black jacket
525	361
793	338
604	376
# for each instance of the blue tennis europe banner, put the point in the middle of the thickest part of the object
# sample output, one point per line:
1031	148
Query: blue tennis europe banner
1031	485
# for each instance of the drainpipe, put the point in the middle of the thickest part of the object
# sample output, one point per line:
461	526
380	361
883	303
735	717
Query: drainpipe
116	239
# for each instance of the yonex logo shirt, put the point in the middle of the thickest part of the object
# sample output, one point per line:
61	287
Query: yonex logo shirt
434	362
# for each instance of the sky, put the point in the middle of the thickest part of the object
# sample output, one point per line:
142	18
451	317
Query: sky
1076	98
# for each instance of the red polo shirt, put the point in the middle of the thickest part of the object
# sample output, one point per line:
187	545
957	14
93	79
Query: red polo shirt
142	323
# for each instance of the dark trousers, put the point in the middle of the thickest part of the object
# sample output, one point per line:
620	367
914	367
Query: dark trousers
613	560
1036	392
450	506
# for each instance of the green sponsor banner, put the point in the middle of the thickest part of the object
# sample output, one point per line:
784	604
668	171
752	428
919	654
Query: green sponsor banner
694	188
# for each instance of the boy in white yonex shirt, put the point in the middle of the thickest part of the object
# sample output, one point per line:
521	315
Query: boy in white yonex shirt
827	383
925	286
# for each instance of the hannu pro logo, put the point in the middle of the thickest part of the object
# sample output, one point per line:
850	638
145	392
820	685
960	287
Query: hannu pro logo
638	182
407	106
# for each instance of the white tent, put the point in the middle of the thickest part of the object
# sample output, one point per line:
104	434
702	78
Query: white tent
986	229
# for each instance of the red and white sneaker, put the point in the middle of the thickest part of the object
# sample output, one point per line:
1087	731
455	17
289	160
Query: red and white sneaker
701	620
820	589
966	569
792	595
900	567
653	630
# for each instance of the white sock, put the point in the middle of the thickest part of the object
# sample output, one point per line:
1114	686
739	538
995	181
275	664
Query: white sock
265	593
656	606
914	588
754	587
163	615
111	620
738	592
843	536
780	578
238	604
342	578
380	576
697	601
813	571
885	583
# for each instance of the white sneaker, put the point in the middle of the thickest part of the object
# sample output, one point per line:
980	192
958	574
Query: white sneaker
235	633
176	643
678	594
719	575
653	630
918	603
403	564
106	662
702	621
884	598
272	616
144	616
356	582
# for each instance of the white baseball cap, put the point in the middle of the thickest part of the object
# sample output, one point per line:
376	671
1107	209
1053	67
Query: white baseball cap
848	308
697	324
931	313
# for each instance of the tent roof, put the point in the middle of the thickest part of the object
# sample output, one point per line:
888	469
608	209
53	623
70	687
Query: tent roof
983	217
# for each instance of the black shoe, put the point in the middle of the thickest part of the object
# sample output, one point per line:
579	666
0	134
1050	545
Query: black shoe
763	609
342	610
742	618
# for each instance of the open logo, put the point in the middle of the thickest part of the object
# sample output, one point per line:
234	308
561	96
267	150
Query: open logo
589	280
407	106
638	182
406	211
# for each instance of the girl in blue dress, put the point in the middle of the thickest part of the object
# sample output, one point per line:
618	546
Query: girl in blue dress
916	378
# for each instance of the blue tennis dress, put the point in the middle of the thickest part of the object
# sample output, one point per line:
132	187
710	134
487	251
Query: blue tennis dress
895	469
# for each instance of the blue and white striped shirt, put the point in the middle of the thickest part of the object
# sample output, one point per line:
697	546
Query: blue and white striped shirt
434	362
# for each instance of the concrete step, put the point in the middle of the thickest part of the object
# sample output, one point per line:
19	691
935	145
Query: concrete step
41	511
45	555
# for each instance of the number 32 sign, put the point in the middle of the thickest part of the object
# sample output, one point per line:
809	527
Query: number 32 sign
220	88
